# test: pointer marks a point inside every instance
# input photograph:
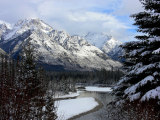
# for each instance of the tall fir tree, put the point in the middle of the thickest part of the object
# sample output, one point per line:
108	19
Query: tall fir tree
24	88
142	66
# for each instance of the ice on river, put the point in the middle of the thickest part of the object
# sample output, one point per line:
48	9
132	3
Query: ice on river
69	95
98	89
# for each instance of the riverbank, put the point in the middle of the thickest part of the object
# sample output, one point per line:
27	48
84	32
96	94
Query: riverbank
100	105
87	103
69	108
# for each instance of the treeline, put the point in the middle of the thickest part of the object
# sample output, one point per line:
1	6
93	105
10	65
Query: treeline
91	77
24	93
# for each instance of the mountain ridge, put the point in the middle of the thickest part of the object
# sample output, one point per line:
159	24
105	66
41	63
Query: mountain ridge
55	47
109	45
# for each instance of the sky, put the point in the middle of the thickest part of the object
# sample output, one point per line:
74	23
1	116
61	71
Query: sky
77	17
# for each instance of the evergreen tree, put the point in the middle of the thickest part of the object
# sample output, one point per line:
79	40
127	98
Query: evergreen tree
24	89
142	66
33	88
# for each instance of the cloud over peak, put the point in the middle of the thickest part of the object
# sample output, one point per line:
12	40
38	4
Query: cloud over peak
75	16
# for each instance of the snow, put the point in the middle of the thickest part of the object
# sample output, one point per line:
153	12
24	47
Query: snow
134	52
154	39
98	89
2	52
144	81
106	43
123	79
12	32
70	95
24	25
152	94
156	51
145	53
111	45
97	39
134	96
139	69
9	26
57	47
69	108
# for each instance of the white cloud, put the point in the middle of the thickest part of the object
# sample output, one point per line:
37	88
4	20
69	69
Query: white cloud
129	7
77	17
12	10
74	16
96	22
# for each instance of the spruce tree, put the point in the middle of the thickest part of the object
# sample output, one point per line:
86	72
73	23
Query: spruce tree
24	88
142	66
35	87
33	91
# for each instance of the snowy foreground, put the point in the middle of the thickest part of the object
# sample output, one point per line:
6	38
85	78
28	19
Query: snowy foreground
98	89
73	107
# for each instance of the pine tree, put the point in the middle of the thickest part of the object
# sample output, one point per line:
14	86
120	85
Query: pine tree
32	88
36	87
24	88
142	66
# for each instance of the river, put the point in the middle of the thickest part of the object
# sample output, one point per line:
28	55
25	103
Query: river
100	114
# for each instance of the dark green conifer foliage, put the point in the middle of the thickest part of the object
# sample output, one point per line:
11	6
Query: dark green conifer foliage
24	88
142	65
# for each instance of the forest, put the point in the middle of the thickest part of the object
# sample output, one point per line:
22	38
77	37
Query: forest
30	92
27	89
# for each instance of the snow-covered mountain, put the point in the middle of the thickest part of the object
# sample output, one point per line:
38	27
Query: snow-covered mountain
106	43
56	48
4	27
112	48
97	39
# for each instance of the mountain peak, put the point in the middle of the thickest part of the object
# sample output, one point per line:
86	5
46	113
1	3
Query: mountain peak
110	45
113	42
32	23
3	23
25	25
106	43
56	48
97	39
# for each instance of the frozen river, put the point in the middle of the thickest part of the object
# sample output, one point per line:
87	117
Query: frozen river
104	98
86	104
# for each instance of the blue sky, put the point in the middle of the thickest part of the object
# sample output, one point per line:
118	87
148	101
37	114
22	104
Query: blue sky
77	16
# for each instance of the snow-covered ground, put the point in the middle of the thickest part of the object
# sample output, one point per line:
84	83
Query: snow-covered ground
70	95
72	107
98	89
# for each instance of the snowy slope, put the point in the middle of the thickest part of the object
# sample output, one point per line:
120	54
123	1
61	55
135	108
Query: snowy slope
2	52
97	39
56	47
106	43
112	48
110	45
4	27
8	25
23	25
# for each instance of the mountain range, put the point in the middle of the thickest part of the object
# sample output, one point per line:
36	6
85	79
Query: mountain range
55	49
109	45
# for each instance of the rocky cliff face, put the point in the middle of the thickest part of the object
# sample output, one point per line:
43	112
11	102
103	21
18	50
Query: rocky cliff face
106	43
56	48
4	27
